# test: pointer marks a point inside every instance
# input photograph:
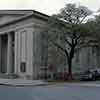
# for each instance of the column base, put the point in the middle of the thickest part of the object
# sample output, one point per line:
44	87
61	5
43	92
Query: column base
11	75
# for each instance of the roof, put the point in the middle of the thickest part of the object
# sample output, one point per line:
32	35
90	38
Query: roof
22	14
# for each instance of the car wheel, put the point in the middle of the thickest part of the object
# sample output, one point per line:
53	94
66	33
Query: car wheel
93	78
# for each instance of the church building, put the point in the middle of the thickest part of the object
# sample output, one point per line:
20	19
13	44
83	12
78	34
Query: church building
23	47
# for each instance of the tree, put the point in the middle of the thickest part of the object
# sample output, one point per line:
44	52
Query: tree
93	26
66	29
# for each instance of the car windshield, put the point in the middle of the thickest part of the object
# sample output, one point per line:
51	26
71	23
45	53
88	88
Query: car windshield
87	72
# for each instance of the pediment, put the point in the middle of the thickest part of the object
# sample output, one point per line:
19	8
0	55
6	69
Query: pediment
10	15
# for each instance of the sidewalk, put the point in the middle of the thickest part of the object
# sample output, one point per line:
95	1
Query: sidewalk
86	84
22	82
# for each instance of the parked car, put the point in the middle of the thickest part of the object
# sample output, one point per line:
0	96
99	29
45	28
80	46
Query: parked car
93	74
87	75
96	73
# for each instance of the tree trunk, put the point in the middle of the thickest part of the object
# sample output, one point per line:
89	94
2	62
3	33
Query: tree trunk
69	68
70	58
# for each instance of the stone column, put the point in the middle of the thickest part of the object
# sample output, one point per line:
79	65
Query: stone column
16	53
0	51
29	51
9	54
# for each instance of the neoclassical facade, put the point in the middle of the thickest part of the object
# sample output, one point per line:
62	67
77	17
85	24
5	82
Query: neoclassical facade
23	49
87	56
24	46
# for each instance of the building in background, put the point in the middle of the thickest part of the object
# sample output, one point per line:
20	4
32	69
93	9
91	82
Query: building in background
87	56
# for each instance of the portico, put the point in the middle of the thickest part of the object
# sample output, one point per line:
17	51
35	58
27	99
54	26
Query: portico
7	53
21	45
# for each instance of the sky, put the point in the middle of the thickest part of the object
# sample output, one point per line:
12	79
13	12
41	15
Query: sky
46	6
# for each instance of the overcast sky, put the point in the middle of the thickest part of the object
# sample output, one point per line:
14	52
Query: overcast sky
46	6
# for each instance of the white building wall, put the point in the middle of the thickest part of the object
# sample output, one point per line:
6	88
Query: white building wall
27	44
36	51
87	59
24	51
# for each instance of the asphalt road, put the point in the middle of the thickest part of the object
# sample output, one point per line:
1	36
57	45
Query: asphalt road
49	93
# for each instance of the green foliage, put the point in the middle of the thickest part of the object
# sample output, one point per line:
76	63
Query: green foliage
66	29
93	27
68	25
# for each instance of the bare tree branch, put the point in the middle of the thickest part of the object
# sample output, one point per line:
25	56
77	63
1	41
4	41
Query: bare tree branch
82	20
61	48
66	40
76	40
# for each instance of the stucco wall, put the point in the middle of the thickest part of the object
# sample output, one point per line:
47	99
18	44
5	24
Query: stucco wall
86	58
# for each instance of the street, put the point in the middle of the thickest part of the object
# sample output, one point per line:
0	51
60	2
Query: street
50	93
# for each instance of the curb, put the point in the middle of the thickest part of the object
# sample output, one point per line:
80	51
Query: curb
83	85
12	85
89	85
48	84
